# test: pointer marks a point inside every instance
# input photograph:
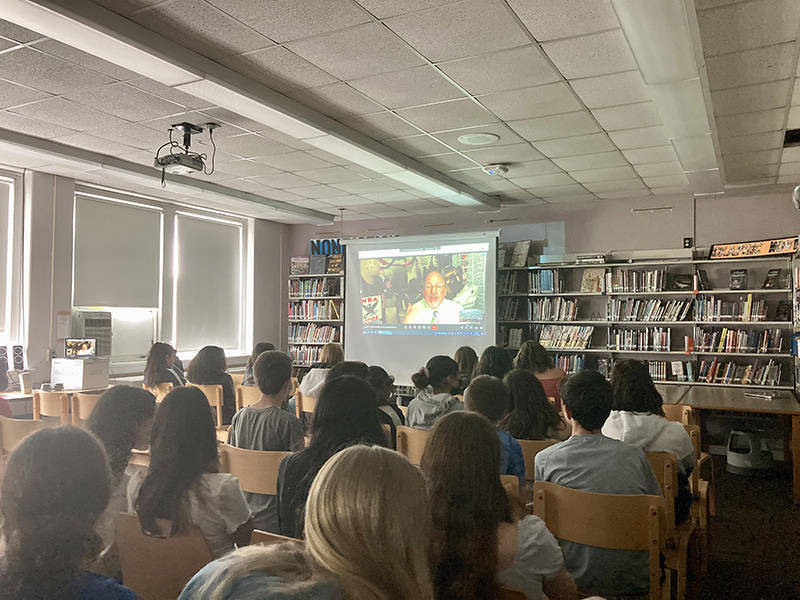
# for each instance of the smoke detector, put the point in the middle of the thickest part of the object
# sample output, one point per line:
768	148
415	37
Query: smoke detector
498	169
478	139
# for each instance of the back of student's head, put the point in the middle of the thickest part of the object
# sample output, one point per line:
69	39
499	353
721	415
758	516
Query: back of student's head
468	503
533	356
351	368
344	415
271	371
634	389
183	446
466	358
120	419
156	362
56	486
381	382
259	348
531	416
207	365
588	396
495	361
435	372
331	354
488	396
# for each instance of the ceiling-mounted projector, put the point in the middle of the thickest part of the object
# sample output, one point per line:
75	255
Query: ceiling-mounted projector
180	164
178	160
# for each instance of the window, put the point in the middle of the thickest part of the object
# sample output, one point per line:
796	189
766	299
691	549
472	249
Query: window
11	330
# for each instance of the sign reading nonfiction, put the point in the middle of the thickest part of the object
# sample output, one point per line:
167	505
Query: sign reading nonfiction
326	247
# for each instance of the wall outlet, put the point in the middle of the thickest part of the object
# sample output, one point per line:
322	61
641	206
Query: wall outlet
687	242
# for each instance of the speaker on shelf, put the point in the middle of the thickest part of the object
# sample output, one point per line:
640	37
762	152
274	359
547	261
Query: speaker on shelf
3	368
19	363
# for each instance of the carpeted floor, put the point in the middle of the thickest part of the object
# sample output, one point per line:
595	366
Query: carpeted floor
755	539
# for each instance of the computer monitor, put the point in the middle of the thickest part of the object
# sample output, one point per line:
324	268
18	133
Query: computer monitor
80	347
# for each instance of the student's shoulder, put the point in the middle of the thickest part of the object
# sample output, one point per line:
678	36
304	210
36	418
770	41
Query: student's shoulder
91	586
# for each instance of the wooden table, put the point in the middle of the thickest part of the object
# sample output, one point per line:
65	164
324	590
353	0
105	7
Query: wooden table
732	399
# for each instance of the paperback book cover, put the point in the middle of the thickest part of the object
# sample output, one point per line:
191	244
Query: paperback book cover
334	265
298	265
738	279
705	284
680	281
316	264
773	279
592	280
784	311
520	256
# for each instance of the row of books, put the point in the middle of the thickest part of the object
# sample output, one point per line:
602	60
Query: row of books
633	280
553	309
325	286
508	283
509	309
648	310
314	309
317	264
657	339
305	355
299	334
738	340
710	308
714	371
546	281
570	363
565	336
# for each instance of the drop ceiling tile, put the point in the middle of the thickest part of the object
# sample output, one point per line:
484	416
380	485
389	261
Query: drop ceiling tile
796	92
12	94
285	139
556	126
794	118
645	137
556	191
455	114
791	154
366	186
32	127
381	126
591	55
791	169
68	114
251	145
247	185
447	162
533	167
751	172
660	168
734	162
523	196
84	59
6	44
751	143
575	146
43	72
141	157
228	117
390	8
459	29
468	176
350	200
201	27
536	182
605	187
573	199
12	31
522	67
313	204
554	19
125	102
417	145
332	175
168	93
756	122
249	168
294	161
318	191
611	90
629	194
514	153
409	87
591	161
327	156
631	116
748	25
608	174
278	69
133	134
540	101
337	100
749	98
666	181
495	186
286	20
656	154
395	196
507	136
95	144
283	196
283	181
771	63
357	52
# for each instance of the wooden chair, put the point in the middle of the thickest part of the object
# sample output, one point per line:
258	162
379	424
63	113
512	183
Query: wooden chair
703	492
214	394
256	470
530	448
303	404
51	404
158	568
13	431
680	413
140	458
223	433
161	390
506	593
82	406
246	395
411	443
237	378
387	429
403	409
265	538
510	484
595	520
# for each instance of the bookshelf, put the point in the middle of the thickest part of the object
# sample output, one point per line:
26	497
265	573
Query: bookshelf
316	307
673	310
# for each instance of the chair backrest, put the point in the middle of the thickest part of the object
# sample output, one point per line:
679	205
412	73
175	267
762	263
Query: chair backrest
665	466
303	404
264	538
530	448
387	429
223	434
140	458
694	435
506	593
246	395
680	413
13	431
256	470
82	406
510	484
160	390
158	568
51	404
214	394
411	443
403	409
237	378
595	520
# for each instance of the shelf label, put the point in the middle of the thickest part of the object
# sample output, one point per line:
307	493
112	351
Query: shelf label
774	247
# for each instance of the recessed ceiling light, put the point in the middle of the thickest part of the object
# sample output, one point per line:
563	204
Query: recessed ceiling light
478	139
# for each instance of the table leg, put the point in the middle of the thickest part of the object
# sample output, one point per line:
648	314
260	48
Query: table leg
796	458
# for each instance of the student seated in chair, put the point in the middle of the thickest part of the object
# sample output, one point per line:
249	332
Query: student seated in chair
436	382
261	347
264	426
592	462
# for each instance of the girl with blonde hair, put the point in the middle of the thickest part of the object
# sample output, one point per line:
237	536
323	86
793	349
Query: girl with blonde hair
360	545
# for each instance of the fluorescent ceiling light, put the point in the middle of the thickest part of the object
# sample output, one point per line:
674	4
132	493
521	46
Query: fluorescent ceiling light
355	153
66	26
706	182
247	105
463	199
660	39
682	108
696	153
424	184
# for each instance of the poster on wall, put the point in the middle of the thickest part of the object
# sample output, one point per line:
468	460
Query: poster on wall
774	247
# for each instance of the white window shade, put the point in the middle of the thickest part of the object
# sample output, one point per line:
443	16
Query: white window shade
6	200
117	254
208	271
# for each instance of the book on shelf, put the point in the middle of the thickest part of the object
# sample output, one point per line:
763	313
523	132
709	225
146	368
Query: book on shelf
509	309
773	279
508	283
656	339
501	256
570	363
639	309
545	281
710	308
784	310
634	280
680	282
738	279
299	265
553	309
566	336
732	373
334	264
316	264
702	280
730	340
678	370
331	287
593	280
519	258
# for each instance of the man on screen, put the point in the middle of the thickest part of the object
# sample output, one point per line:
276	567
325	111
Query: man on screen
434	307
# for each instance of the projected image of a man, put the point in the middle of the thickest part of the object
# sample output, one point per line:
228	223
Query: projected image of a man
434	307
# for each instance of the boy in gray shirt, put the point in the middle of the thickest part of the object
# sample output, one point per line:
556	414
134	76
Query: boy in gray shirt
264	426
592	462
